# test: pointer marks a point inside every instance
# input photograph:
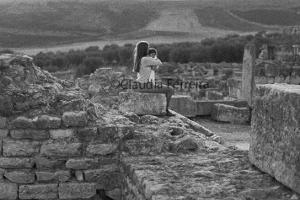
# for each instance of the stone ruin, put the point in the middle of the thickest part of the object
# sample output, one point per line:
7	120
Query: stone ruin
59	142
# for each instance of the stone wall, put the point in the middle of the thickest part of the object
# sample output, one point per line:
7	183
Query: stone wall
274	145
63	157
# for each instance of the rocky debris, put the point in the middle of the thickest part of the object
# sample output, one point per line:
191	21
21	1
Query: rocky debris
169	134
228	113
28	91
104	86
186	144
149	119
143	103
131	116
275	147
261	193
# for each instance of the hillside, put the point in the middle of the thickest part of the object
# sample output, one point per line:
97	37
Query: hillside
32	23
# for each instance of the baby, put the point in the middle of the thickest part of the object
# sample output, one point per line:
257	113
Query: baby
152	53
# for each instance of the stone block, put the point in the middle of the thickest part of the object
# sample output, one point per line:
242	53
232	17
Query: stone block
204	108
15	163
61	149
23	122
111	133
235	88
82	163
143	103
275	136
184	105
20	176
76	190
20	148
3	122
107	177
48	163
58	176
45	122
214	95
74	119
2	171
79	175
62	133
41	191
102	149
86	134
248	84
115	194
228	113
29	134
8	191
3	133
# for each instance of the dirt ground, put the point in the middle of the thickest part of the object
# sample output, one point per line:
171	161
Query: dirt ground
233	134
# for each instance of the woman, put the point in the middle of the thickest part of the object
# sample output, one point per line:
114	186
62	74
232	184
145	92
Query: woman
143	66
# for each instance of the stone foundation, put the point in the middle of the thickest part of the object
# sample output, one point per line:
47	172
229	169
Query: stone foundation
275	139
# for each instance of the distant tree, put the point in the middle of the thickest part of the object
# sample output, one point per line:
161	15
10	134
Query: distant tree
125	55
163	52
200	54
110	54
76	57
180	55
6	51
93	63
60	61
208	41
92	48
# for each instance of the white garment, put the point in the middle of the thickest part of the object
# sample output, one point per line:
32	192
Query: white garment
145	69
152	77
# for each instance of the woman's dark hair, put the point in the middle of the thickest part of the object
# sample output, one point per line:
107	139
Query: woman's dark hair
140	51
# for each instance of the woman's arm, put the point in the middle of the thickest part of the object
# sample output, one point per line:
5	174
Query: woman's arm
149	61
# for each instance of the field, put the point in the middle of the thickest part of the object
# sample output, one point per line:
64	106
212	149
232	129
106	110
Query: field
50	23
271	17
